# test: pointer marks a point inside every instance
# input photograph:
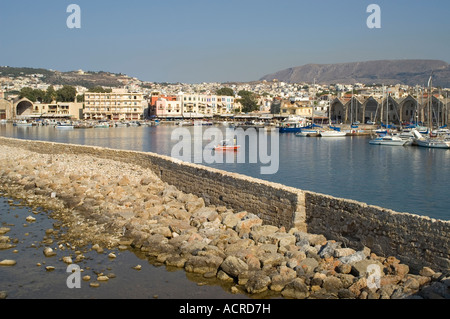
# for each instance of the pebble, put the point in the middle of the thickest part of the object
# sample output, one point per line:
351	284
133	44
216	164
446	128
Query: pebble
102	278
30	219
8	262
48	252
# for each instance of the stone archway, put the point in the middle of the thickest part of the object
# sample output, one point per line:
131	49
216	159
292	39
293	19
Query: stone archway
338	111
23	107
371	110
409	110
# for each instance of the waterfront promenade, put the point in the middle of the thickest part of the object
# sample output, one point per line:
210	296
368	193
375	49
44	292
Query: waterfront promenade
111	202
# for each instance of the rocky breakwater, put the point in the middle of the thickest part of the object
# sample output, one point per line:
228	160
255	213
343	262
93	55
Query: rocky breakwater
108	204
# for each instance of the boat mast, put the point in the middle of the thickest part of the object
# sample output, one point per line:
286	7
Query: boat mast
430	120
314	98
416	114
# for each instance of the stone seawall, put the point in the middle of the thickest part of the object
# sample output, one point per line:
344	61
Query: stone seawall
416	240
420	241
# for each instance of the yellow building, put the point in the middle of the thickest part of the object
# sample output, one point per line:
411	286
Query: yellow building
296	108
118	105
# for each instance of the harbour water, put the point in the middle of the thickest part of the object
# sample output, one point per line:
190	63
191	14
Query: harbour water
405	179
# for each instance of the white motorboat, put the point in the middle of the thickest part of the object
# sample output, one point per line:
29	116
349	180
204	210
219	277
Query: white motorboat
390	140
332	133
430	142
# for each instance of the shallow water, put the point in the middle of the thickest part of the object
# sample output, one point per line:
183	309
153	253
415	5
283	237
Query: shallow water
27	280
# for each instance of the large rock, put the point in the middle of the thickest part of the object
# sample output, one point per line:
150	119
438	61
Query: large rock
233	266
363	267
203	264
328	249
358	256
332	284
257	283
308	265
247	222
296	289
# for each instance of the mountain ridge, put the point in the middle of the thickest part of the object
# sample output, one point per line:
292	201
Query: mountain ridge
409	71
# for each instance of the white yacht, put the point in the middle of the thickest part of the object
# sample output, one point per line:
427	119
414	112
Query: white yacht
390	140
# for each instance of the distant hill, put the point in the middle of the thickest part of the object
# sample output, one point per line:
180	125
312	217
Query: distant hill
409	72
86	79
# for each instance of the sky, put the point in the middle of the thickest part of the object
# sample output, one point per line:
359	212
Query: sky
194	41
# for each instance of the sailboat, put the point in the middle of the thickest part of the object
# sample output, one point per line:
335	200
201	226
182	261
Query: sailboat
333	132
429	141
388	139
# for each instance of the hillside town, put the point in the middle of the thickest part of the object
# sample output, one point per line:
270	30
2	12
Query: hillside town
267	100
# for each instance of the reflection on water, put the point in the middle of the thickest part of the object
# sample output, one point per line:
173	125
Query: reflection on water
405	179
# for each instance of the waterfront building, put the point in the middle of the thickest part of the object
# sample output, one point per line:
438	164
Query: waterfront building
67	110
5	109
206	105
120	104
299	108
166	107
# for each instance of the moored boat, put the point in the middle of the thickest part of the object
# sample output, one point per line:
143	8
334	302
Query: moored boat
332	133
22	123
293	124
227	145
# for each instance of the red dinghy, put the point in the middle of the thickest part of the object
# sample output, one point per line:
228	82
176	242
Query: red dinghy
227	147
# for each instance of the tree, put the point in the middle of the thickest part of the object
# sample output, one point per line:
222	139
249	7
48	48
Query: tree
225	91
80	98
99	89
248	101
50	95
32	94
27	93
66	94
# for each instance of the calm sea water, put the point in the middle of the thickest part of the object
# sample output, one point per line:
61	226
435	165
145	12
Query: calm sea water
405	179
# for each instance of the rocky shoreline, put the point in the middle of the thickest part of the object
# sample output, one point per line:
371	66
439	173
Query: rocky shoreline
110	204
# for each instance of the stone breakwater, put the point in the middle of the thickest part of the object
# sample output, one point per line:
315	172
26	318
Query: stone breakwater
108	203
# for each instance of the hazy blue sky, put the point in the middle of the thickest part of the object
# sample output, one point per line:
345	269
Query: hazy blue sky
209	40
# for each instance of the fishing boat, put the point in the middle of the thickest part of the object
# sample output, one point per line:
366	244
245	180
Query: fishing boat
227	145
293	124
22	123
64	126
101	125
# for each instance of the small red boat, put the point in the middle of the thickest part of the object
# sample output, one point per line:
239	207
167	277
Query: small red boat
227	147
